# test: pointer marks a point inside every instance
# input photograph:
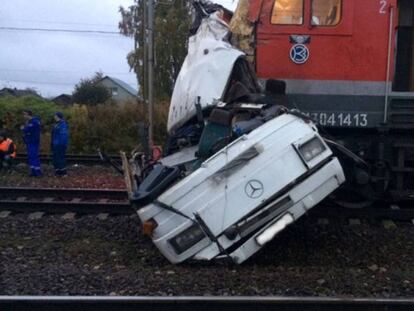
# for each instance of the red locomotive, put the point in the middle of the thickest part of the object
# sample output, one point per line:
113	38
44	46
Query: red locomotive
349	65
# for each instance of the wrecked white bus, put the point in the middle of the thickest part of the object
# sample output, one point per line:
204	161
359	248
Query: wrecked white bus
239	168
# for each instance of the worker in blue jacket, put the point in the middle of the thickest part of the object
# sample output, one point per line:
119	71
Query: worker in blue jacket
59	144
31	137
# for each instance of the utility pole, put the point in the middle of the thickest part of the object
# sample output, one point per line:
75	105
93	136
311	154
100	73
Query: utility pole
145	61
150	70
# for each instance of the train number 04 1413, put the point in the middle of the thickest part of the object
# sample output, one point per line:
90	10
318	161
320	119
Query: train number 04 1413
339	119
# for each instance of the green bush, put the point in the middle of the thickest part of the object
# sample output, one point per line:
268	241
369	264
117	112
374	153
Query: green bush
11	117
110	127
113	127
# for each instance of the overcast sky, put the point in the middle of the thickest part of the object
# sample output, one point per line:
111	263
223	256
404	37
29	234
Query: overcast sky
53	62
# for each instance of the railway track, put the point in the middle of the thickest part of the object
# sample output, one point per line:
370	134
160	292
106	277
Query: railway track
89	159
59	201
380	210
115	201
51	303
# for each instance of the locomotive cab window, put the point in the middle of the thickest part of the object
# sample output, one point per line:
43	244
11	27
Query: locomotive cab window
404	66
326	12
287	12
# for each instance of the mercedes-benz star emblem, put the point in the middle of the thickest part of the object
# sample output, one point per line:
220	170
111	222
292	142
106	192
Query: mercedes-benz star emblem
299	53
254	189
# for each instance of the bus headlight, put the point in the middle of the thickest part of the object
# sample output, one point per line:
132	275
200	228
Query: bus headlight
187	238
311	149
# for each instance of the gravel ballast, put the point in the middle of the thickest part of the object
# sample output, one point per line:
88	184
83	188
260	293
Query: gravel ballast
87	256
79	176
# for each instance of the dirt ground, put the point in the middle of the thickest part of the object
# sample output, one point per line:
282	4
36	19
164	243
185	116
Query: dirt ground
87	256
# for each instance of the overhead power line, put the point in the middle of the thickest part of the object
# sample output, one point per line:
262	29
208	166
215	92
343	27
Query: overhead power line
61	30
60	71
37	82
57	22
42	82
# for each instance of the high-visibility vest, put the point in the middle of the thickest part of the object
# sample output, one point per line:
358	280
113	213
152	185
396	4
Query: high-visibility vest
5	145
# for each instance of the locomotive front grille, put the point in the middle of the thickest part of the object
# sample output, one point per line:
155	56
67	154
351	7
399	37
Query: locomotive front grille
401	112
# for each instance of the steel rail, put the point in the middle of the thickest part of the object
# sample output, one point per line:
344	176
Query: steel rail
325	210
102	303
58	201
64	192
60	207
72	158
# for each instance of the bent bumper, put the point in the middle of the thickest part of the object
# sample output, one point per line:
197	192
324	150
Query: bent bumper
305	195
302	198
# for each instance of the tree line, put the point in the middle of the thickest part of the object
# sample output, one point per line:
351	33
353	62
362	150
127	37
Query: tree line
172	21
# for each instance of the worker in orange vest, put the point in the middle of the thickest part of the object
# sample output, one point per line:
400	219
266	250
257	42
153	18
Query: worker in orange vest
7	150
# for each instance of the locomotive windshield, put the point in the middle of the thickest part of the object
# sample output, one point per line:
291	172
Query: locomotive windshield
287	12
291	12
326	12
